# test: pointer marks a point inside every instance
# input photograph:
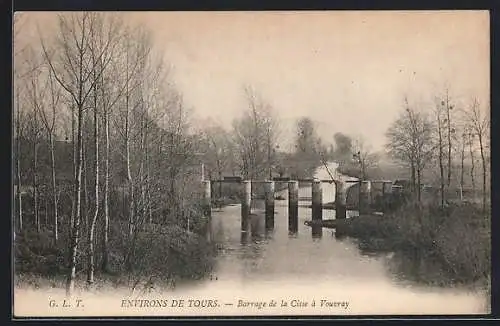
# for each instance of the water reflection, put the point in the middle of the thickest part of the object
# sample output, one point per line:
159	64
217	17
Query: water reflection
316	231
244	237
270	260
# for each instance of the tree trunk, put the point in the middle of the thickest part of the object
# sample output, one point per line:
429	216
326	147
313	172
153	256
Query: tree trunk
483	161
46	212
148	179
35	185
419	185
105	253
18	165
84	206
448	109
70	285
127	152
141	171
441	165
472	168
413	182
75	170
220	187
462	159
91	267
54	187
131	217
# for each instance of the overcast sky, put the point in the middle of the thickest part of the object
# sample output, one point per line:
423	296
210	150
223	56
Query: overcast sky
348	71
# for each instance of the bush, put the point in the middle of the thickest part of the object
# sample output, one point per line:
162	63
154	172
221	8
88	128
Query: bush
170	254
457	236
38	254
161	255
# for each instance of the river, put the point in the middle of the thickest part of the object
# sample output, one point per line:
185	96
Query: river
312	276
306	268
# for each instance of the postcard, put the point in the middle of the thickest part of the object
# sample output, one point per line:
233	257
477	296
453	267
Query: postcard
272	163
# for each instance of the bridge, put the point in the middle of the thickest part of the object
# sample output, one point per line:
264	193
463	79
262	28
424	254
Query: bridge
341	186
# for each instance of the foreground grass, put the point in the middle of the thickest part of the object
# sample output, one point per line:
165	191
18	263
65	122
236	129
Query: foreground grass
163	256
457	238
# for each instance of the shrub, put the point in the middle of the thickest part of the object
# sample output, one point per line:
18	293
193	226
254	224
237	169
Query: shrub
457	236
161	255
38	254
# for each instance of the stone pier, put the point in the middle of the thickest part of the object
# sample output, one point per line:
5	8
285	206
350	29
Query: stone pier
246	202
317	200
340	199
269	198
293	207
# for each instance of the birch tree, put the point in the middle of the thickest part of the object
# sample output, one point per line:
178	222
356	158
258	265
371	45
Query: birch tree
48	115
69	59
19	118
135	50
96	43
37	91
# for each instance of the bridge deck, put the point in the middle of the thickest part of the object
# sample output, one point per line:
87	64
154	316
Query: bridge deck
286	181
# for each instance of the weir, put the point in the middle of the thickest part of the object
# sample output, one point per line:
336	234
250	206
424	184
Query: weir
340	204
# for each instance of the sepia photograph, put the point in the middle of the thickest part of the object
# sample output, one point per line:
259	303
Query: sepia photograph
251	163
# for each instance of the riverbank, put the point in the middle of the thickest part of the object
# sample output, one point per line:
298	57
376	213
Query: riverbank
456	237
162	256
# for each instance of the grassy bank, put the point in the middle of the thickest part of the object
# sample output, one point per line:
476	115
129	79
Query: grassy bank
162	256
456	237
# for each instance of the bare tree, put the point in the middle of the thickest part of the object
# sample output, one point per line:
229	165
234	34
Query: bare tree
440	144
152	79
136	49
49	117
410	140
479	123
463	143
95	46
18	72
451	130
70	62
111	92
217	150
255	135
471	143
18	159
363	153
37	88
